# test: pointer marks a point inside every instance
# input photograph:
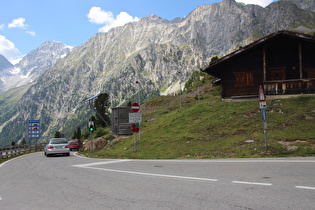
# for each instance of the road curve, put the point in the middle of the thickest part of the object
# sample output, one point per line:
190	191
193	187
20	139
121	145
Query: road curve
36	182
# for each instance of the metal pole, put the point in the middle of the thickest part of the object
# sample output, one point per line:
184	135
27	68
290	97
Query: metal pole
265	138
265	135
140	106
264	117
134	142
90	140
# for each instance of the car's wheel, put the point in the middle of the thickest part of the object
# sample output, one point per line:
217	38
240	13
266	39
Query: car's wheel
68	154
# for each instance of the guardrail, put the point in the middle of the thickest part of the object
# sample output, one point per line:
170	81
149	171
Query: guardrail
9	151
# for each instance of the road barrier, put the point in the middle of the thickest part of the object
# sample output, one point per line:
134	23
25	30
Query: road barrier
9	151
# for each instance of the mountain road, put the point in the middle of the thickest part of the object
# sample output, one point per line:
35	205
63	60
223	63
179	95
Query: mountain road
34	181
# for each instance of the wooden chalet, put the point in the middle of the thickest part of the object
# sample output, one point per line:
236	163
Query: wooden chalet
282	62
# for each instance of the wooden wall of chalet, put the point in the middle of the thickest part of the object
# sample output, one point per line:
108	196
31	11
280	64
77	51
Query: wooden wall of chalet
120	121
249	68
308	59
277	63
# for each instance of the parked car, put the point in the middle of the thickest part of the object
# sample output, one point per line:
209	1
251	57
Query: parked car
57	146
74	144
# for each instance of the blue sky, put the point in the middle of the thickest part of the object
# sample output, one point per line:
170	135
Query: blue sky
26	24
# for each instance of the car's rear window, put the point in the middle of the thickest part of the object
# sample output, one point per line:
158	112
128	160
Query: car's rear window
58	141
73	142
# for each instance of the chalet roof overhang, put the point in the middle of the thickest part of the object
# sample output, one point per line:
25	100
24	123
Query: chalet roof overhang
215	69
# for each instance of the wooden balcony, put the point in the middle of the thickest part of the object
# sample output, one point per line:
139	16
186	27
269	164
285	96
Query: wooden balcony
296	86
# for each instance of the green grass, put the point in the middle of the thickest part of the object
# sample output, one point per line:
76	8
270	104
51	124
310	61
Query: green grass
212	128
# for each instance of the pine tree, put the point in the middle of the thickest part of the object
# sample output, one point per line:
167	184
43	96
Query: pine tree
102	105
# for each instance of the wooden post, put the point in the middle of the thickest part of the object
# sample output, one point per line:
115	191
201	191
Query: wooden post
300	60
264	64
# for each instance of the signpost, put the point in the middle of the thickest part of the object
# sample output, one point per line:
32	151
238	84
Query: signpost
33	129
263	106
135	107
135	118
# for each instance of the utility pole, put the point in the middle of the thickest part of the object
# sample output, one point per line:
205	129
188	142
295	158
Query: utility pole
139	105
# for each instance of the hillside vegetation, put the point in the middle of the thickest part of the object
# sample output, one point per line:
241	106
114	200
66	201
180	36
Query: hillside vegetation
207	127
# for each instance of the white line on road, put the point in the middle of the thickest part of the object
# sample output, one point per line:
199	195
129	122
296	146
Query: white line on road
305	187
254	183
87	165
147	174
253	160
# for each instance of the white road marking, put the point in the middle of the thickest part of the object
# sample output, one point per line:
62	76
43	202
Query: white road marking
87	165
0	198
253	183
142	173
90	166
305	187
253	160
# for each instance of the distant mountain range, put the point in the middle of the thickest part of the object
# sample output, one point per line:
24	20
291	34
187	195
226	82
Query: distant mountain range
33	65
154	52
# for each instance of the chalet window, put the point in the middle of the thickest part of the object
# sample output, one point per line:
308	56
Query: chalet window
244	79
277	73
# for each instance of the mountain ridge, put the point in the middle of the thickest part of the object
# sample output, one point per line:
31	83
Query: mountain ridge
155	52
34	64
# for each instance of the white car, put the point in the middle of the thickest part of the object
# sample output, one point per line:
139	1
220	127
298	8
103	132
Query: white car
57	146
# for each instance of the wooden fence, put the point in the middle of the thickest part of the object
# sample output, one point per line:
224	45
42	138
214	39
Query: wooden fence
9	151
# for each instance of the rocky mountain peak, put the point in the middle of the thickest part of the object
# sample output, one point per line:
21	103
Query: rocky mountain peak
34	64
157	53
4	64
304	4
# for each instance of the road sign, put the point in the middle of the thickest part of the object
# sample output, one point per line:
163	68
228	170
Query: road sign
135	117
262	98
33	129
263	105
135	128
135	107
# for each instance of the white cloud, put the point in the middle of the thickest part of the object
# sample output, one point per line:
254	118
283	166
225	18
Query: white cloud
98	16
18	23
9	51
32	33
262	3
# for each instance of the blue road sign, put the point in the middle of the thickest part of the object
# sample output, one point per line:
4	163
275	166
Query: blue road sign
33	129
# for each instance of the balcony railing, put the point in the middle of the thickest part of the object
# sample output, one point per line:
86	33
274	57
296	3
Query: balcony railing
296	86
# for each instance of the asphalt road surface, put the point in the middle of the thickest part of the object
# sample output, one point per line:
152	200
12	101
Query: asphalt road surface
37	182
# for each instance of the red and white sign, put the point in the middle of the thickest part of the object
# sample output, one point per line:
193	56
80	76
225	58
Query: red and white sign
135	128
135	107
262	98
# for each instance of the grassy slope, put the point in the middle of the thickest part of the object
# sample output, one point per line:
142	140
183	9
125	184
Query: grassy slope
212	128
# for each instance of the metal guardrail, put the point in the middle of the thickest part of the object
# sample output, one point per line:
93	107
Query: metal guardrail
9	151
